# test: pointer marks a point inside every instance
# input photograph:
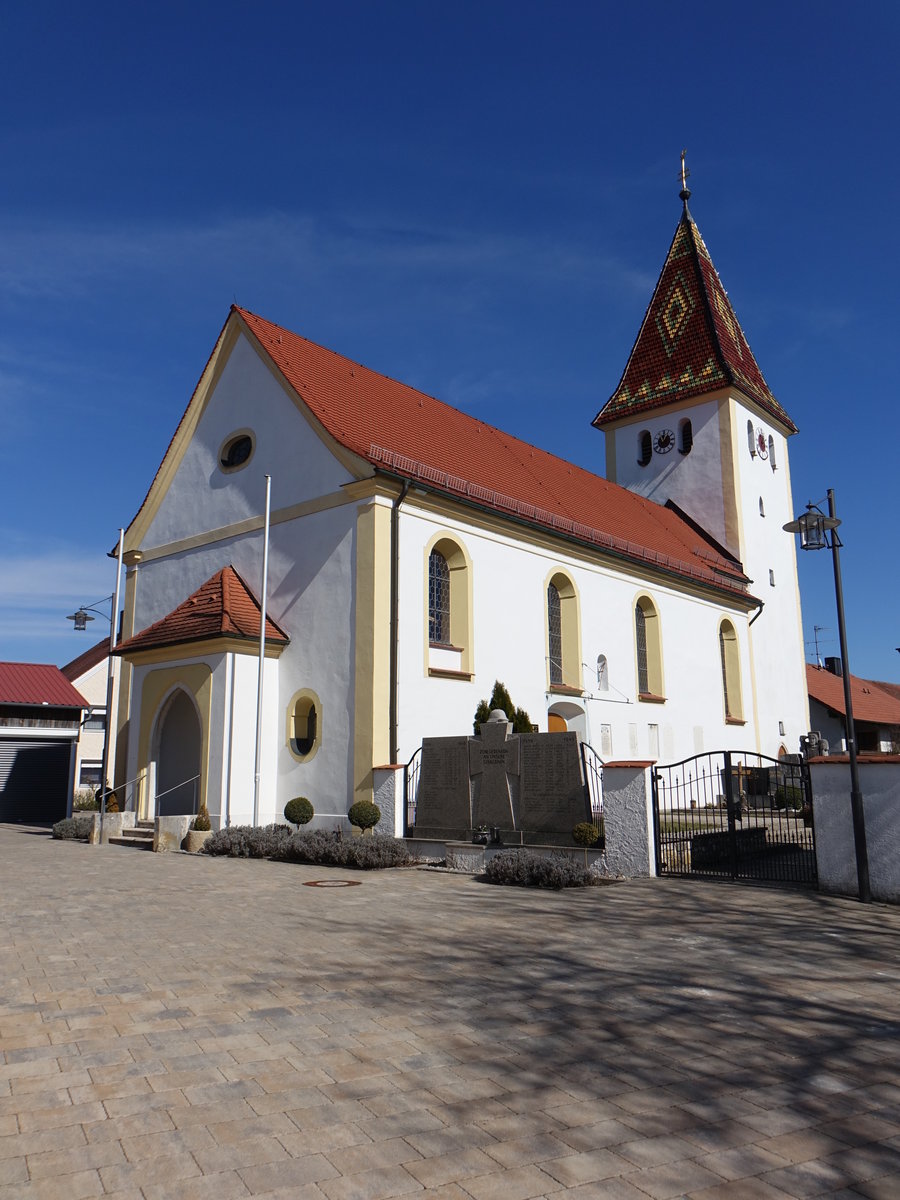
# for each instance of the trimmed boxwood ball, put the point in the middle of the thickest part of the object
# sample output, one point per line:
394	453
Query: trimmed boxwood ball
299	811
586	833
364	814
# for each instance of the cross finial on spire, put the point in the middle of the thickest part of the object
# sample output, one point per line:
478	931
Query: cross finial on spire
685	193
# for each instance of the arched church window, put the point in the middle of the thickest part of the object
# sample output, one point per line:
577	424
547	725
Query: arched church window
771	452
685	436
731	672
438	599
563	638
645	448
648	647
751	439
554	633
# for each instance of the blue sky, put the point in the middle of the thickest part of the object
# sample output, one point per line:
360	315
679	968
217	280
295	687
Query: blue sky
476	200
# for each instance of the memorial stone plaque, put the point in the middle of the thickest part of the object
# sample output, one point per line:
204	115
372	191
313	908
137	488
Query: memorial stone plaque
443	806
551	793
492	759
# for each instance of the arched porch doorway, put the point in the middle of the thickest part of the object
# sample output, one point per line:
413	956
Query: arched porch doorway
178	741
564	715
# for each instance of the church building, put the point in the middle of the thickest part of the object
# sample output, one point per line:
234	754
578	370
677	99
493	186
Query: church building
416	555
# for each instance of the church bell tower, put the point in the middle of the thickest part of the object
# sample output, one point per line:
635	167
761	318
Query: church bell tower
693	424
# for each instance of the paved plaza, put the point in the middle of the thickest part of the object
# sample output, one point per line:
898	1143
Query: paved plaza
185	1027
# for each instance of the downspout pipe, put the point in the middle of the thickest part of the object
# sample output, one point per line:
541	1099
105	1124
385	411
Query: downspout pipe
758	613
395	617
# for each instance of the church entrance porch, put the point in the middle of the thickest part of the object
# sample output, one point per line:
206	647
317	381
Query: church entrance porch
178	741
735	815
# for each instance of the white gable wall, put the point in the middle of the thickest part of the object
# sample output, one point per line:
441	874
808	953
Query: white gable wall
203	497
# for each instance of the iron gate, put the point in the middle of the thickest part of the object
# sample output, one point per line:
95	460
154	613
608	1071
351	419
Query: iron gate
735	815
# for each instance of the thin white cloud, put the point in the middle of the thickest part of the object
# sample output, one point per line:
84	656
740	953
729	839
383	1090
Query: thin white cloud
62	262
38	580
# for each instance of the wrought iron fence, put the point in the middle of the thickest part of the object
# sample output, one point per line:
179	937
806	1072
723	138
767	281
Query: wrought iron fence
592	774
411	773
735	815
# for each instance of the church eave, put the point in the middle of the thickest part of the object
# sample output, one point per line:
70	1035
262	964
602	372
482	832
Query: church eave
735	587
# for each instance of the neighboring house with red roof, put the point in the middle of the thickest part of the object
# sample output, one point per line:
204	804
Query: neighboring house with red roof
876	710
418	554
89	673
40	718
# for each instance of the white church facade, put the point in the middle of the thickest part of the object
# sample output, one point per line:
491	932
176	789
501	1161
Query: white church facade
416	555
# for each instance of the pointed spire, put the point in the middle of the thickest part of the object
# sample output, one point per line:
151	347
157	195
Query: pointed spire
691	342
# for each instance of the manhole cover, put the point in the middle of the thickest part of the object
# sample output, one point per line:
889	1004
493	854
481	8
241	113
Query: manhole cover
332	883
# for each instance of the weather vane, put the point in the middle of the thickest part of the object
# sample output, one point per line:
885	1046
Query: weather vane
685	190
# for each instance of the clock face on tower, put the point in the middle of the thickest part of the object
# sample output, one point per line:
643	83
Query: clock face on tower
664	441
762	448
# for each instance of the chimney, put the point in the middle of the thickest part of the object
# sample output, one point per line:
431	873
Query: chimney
834	666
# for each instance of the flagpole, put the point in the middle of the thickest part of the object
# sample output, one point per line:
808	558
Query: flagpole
113	631
262	651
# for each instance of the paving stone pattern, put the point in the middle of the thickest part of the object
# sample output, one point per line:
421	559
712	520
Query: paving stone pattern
183	1027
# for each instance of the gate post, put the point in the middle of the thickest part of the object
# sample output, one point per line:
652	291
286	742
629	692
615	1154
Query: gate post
628	819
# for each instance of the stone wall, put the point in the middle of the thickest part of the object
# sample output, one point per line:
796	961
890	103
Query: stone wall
879	780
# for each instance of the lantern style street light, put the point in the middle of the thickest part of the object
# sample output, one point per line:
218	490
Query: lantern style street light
819	532
81	617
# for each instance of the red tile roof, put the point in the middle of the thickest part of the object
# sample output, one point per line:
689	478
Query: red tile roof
37	683
690	341
872	701
83	663
222	607
412	435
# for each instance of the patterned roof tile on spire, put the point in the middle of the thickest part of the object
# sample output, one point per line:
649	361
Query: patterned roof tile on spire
222	607
690	341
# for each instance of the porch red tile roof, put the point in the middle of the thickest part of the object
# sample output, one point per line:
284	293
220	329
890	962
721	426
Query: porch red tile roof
222	607
37	683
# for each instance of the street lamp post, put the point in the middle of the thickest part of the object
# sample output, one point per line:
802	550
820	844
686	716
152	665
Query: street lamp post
81	618
814	529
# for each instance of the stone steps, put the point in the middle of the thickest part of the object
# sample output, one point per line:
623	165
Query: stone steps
139	838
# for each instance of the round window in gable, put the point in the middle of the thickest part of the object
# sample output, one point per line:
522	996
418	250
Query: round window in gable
236	451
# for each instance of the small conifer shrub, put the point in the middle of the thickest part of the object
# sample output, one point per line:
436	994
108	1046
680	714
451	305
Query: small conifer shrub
364	814
202	822
500	698
299	811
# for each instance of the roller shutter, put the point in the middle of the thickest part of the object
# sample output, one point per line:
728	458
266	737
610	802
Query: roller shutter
34	780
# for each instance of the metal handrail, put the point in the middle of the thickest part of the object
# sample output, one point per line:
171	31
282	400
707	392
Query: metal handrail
192	779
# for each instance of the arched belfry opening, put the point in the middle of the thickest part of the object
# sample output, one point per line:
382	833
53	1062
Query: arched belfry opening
177	741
